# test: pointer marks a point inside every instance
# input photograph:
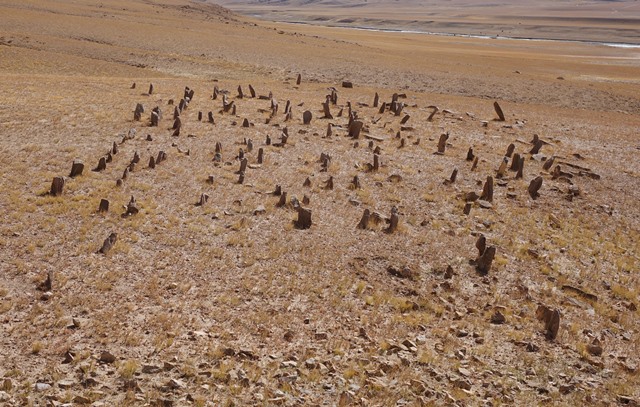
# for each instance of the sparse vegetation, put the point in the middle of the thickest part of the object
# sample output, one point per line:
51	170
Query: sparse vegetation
228	303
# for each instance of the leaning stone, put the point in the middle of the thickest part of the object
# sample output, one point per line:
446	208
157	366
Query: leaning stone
108	243
499	112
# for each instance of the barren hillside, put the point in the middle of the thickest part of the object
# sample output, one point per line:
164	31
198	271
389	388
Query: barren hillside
300	215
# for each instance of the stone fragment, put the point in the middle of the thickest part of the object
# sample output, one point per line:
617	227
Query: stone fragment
106	357
498	318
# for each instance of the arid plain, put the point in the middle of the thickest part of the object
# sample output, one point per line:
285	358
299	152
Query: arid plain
232	302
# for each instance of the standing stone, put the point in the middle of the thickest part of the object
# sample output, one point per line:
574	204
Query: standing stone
76	168
551	321
299	79
304	218
515	161
364	221
393	222
503	167
376	100
534	187
355	183
155	116
151	88
56	186
355	128
243	166
199	116
240	94
283	198
467	208
203	200
252	91
152	163
245	123
484	262
520	168
510	149
499	112
470	155
475	164
481	244
376	162
452	178
306	117
260	155
102	165
487	190
104	206
210	117
327	110
137	113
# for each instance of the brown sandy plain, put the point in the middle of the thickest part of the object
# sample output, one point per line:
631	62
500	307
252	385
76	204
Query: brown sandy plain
228	303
